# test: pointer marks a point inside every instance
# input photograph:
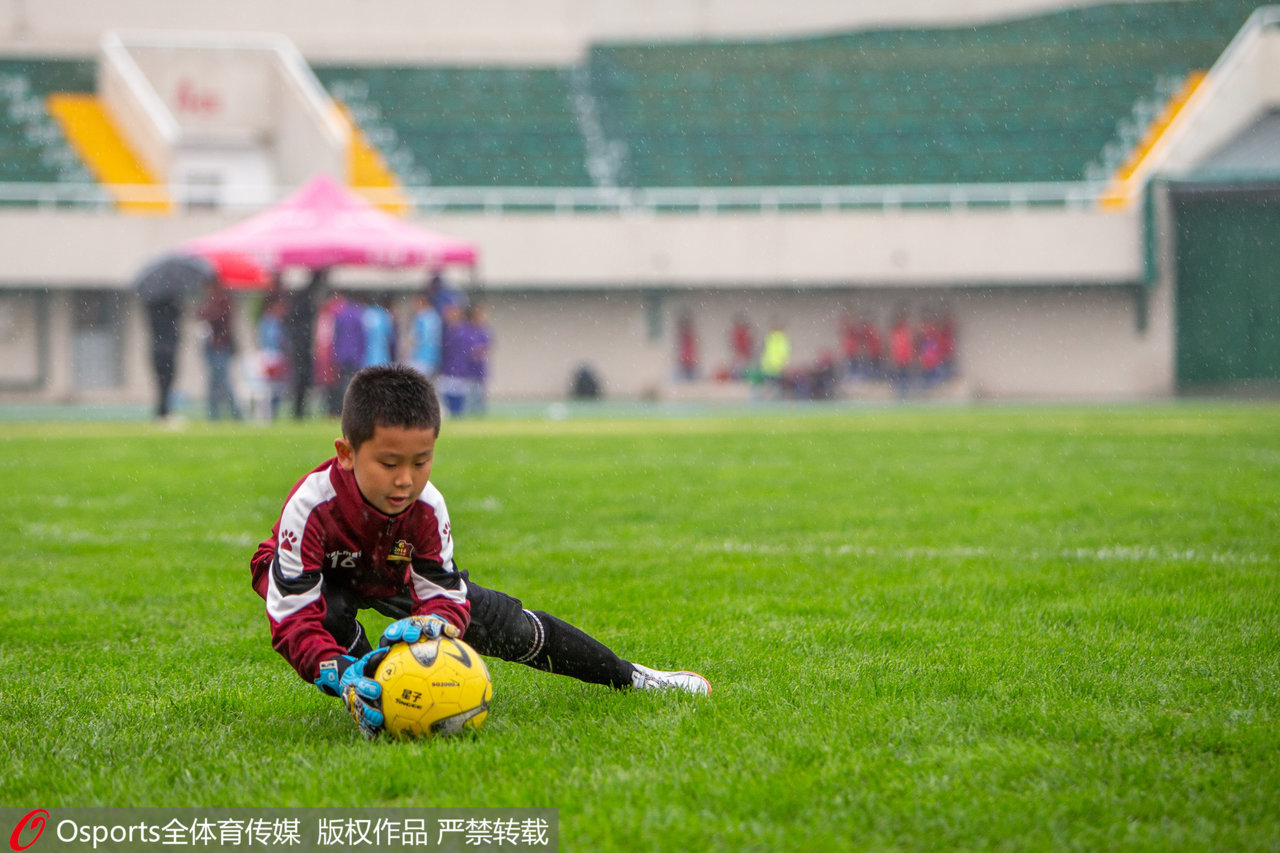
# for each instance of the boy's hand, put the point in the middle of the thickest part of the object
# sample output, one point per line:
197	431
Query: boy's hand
362	695
416	628
330	678
351	679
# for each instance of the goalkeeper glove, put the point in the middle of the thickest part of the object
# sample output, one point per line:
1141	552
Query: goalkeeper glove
351	679
418	628
330	676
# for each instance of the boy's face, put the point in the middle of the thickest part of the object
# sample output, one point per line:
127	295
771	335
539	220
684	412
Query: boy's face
392	467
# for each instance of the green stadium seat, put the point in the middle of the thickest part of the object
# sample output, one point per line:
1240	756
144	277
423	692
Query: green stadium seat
469	126
32	147
1033	99
1036	99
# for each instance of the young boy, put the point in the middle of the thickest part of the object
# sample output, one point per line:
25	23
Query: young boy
367	529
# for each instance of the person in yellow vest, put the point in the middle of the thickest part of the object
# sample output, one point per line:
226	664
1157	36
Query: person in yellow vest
775	356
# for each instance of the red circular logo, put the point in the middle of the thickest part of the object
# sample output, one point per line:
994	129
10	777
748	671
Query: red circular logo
33	819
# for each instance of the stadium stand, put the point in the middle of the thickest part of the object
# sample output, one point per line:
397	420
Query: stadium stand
32	147
92	134
1066	96
1060	97
464	126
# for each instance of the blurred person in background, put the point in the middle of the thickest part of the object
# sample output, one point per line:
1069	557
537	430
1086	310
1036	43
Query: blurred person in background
379	333
902	352
947	344
165	317
742	347
324	373
453	358
441	293
775	357
348	348
872	363
929	350
424	336
273	345
686	348
299	330
216	315
824	379
478	341
852	345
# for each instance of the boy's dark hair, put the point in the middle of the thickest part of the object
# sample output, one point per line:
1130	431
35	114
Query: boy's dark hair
389	395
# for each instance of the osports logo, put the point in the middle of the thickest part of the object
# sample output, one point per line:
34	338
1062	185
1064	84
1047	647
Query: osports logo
35	821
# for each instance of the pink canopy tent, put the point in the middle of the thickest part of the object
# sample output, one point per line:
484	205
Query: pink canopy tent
323	224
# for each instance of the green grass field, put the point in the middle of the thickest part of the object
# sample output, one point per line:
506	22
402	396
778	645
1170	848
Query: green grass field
926	628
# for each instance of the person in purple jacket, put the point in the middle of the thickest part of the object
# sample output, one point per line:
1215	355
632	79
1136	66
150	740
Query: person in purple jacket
479	340
348	348
455	347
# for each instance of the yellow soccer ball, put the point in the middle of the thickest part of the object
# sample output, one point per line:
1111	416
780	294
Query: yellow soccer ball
433	687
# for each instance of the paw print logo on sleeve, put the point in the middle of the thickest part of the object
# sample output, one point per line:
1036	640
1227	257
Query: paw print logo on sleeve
288	539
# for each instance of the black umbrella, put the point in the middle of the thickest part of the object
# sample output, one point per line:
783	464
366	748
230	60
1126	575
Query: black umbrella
169	278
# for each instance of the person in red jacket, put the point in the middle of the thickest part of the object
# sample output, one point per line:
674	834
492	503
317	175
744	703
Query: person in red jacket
902	352
368	530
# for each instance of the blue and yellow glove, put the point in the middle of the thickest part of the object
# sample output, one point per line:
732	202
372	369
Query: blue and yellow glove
417	628
351	679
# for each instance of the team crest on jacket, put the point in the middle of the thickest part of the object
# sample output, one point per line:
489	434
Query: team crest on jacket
401	552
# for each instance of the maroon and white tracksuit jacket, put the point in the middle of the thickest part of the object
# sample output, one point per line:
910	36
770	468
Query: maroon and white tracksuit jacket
329	534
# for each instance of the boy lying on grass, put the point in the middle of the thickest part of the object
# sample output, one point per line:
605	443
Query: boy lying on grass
367	529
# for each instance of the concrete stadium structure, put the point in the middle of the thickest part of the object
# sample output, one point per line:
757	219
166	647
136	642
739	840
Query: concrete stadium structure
1055	293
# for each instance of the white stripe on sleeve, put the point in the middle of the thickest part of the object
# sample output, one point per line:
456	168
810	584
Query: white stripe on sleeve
315	490
423	587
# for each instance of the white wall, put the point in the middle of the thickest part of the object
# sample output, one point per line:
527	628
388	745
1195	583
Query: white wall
1013	343
1064	343
19	347
1034	291
518	31
738	250
813	249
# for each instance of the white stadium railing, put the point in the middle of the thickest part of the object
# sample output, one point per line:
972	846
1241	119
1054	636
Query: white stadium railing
499	200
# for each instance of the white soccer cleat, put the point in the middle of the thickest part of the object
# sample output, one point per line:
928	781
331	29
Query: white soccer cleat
643	678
